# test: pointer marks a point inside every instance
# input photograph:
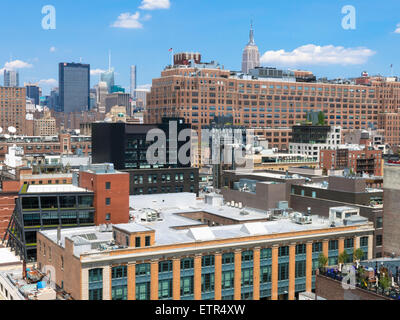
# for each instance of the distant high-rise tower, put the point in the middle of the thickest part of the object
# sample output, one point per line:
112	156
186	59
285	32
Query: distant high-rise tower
108	76
11	78
74	86
251	55
133	82
33	92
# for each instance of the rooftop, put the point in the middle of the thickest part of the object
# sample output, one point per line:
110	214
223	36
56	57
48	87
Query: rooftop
176	222
54	188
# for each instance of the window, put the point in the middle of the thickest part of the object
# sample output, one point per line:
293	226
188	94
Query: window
165	289
247	277
207	283
301	249
143	291
247	255
187	263
108	201
95	275
283	271
207	261
333	245
137	242
228	258
119	272
187	286
228	278
283	251
147	241
300	269
96	294
379	240
364	242
143	269
108	217
265	274
266	254
165	266
379	223
349	243
108	185
317	247
119	292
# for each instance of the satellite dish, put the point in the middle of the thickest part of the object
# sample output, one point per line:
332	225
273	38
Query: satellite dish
7	136
12	130
1	129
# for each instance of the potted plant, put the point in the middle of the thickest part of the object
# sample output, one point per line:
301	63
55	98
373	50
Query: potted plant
343	257
322	262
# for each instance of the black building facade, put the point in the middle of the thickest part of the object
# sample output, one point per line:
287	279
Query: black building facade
126	146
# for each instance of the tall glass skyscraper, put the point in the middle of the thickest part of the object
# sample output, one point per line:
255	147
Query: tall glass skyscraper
11	78
133	82
108	77
74	86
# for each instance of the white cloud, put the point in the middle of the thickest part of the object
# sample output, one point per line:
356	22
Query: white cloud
48	82
16	64
155	4
397	28
128	21
318	55
96	72
53	49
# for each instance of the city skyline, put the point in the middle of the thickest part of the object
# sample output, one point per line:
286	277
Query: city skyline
141	34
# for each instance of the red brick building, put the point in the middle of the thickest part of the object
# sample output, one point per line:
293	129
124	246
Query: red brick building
8	194
111	192
198	93
368	161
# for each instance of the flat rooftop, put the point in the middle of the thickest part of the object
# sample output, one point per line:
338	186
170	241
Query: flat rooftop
55	188
7	257
172	227
263	174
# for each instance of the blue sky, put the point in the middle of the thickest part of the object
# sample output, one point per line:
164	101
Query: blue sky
218	29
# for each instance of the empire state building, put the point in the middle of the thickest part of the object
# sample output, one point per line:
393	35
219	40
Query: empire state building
251	55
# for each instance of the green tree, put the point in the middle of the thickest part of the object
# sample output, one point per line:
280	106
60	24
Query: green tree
321	118
358	254
384	282
343	257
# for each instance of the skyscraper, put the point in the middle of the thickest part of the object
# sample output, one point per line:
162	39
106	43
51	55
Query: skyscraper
33	92
133	82
11	78
251	55
108	77
74	82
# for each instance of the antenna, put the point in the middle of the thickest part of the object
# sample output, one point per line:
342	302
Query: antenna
109	60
